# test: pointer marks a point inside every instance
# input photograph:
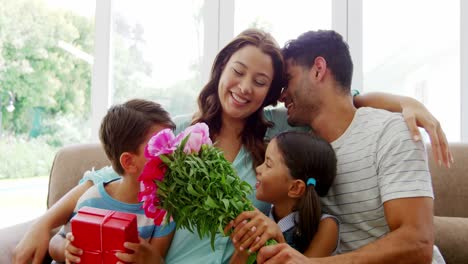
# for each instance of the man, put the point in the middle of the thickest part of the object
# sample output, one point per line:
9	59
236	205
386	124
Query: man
383	192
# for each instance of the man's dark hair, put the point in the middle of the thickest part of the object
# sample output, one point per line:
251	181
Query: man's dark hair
324	43
125	128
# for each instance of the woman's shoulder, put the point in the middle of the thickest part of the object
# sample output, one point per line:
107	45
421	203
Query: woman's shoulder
182	122
279	117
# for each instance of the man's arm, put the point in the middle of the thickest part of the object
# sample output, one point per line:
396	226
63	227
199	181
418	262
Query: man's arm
410	241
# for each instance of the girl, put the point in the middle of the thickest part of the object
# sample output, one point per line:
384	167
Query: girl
298	168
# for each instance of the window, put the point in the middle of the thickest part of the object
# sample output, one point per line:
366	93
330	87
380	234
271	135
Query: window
413	48
283	23
46	52
158	48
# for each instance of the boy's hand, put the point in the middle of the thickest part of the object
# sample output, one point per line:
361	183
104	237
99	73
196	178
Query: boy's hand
72	253
142	253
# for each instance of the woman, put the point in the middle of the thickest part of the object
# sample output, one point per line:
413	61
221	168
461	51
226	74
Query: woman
247	75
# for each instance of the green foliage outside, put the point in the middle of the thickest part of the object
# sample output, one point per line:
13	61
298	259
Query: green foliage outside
50	86
36	69
23	157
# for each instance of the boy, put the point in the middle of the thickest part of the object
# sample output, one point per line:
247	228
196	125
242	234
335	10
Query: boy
124	133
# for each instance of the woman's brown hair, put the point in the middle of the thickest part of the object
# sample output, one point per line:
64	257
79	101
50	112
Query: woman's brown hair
210	106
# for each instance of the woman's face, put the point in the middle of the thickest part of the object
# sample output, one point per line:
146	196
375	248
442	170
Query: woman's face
273	178
245	82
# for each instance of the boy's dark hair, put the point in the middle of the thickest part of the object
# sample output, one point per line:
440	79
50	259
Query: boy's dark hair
324	43
125	127
308	156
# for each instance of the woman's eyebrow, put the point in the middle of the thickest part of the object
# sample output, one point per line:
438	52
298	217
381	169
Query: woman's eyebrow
245	66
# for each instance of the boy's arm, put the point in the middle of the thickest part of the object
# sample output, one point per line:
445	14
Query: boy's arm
57	247
415	114
33	246
162	244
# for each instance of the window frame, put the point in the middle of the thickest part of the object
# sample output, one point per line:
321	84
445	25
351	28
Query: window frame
219	28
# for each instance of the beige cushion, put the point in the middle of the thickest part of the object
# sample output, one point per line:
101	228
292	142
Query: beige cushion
451	185
69	165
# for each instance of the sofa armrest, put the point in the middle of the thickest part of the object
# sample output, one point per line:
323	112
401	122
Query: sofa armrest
9	237
70	163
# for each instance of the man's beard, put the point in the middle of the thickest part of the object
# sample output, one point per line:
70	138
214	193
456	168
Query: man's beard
308	115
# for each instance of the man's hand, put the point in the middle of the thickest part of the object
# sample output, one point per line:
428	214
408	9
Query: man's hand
281	254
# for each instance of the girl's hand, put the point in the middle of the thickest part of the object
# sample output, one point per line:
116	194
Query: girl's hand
416	114
143	252
252	229
72	253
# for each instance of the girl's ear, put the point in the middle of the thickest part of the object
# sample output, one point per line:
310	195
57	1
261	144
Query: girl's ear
296	189
126	160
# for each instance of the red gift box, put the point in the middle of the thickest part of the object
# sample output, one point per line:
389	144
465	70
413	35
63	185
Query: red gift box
101	233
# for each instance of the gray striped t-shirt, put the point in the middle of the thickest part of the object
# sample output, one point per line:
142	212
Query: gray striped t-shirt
377	161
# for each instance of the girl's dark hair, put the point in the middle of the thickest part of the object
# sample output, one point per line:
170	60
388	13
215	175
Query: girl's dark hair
125	127
208	100
308	156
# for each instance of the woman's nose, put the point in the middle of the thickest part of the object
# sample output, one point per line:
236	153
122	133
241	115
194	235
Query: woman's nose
245	87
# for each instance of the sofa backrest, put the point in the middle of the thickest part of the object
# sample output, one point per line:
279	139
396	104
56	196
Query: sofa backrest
450	185
69	165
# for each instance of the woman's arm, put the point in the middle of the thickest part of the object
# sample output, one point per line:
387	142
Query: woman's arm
415	114
325	240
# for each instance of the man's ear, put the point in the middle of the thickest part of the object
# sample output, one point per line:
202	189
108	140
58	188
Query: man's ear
126	160
319	68
296	189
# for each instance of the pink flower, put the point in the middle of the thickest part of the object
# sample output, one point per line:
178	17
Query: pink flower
199	135
164	142
154	170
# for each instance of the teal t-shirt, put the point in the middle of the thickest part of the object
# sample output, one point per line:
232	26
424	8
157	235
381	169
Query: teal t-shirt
189	248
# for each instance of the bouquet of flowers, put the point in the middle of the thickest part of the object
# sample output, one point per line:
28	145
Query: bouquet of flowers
189	181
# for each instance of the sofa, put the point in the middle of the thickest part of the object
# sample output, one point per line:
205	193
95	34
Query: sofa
450	188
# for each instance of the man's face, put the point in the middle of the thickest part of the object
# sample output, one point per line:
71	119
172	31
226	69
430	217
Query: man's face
299	96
